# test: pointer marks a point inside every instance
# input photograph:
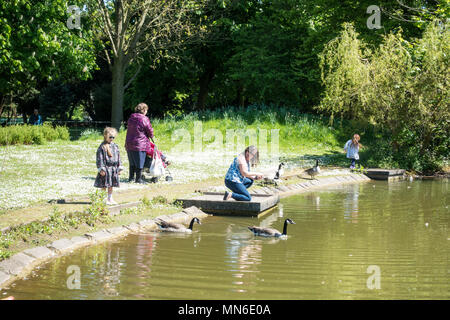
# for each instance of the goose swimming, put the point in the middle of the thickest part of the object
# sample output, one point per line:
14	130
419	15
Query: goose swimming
270	232
176	227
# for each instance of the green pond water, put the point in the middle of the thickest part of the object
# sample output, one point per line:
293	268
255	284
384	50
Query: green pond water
375	240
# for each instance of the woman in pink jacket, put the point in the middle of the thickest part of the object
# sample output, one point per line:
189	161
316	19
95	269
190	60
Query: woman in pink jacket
139	130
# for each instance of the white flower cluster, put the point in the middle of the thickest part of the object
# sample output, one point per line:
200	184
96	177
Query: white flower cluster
35	173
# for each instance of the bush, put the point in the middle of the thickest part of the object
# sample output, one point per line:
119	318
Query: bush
29	134
400	86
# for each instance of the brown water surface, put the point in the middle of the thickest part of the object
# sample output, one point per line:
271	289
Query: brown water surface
342	237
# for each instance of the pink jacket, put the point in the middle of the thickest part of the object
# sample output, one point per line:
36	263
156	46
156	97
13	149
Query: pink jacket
139	131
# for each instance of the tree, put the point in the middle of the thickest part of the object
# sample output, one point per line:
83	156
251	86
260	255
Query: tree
36	45
132	27
401	86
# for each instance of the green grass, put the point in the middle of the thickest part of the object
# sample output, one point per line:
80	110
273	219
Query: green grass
95	215
30	174
29	134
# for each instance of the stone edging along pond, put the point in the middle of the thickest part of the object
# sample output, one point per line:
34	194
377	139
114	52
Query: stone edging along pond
21	264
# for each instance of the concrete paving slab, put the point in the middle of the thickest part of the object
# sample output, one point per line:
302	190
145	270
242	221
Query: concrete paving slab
118	231
39	252
133	227
193	211
99	235
148	223
61	245
4	277
80	241
16	263
214	204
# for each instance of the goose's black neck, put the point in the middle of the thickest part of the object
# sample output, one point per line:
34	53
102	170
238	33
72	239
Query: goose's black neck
285	227
192	223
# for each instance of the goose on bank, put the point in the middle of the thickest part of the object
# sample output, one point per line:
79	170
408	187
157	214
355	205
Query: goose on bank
314	171
270	232
280	171
176	227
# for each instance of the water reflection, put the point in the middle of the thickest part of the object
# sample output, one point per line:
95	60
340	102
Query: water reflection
109	273
314	199
325	256
351	204
245	251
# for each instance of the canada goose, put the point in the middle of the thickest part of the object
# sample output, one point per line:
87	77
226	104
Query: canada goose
280	171
314	171
270	232
176	227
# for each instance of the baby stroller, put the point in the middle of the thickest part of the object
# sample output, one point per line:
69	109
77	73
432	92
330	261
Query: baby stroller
156	164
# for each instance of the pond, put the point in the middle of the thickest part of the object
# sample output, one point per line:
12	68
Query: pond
375	240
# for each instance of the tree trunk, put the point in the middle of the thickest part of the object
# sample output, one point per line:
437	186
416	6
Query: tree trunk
2	100
205	80
118	76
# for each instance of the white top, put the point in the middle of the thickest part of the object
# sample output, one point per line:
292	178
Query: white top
352	150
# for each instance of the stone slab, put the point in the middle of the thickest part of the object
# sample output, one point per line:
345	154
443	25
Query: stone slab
118	231
267	190
39	252
4	277
133	227
99	235
214	204
274	190
61	245
79	241
193	211
147	223
384	174
16	263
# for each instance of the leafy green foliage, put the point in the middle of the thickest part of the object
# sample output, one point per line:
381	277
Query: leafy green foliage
30	134
401	86
35	44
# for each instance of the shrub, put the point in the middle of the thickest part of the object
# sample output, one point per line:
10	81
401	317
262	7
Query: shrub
401	86
29	134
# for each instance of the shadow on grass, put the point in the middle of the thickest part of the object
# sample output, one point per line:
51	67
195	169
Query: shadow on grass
64	201
333	158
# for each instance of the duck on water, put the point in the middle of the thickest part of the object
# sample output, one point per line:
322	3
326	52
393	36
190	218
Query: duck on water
271	232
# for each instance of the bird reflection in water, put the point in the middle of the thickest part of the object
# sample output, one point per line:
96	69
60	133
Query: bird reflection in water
245	253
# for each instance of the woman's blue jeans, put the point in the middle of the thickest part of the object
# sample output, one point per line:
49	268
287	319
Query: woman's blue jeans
240	192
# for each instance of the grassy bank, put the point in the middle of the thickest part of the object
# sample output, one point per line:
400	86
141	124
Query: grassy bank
30	174
94	217
29	134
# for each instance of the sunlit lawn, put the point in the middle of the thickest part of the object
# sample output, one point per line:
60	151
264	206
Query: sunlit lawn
36	173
